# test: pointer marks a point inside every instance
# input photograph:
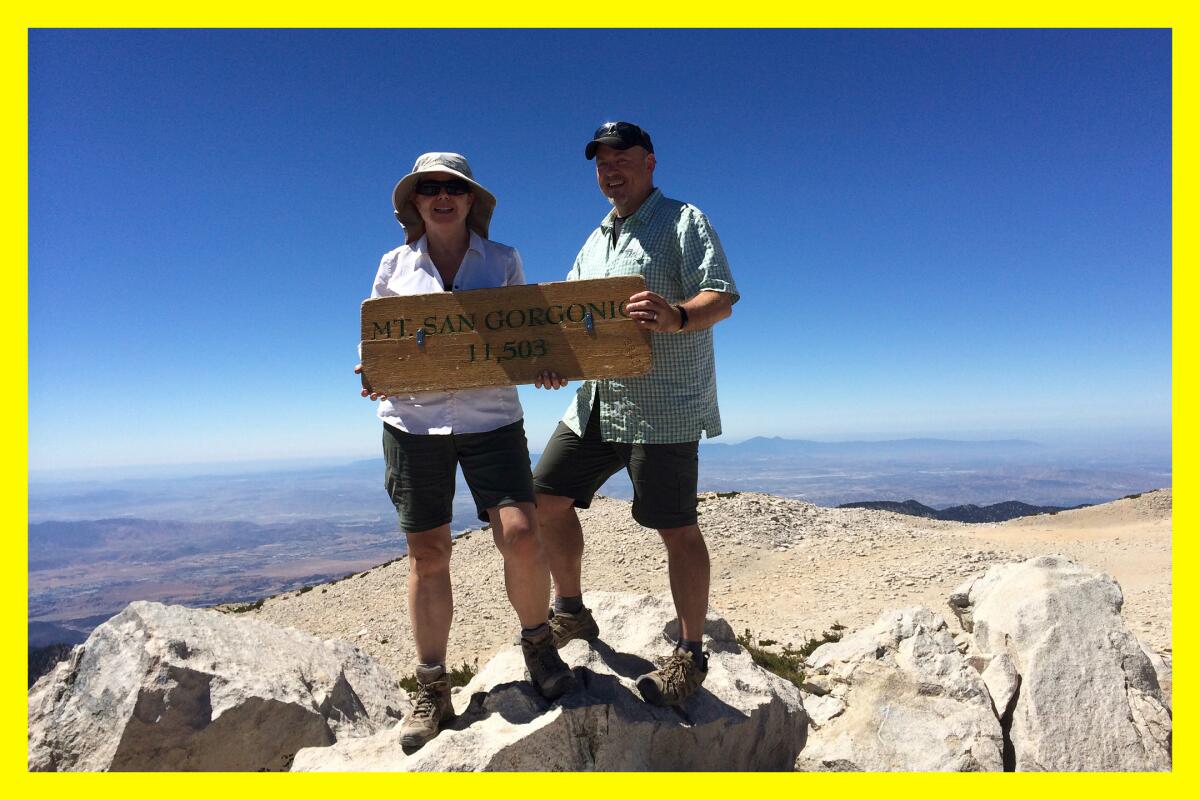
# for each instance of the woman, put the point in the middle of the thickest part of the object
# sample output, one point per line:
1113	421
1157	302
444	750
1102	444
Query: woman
445	214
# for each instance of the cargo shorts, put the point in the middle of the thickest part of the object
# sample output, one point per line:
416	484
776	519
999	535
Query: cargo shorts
663	475
419	477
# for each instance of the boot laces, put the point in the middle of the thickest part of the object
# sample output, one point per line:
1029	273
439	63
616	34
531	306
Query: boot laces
675	670
426	702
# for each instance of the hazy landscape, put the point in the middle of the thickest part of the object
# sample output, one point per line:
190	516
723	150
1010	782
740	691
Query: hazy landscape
96	543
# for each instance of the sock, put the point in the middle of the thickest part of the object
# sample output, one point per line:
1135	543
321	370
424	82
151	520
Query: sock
536	632
441	664
697	651
568	605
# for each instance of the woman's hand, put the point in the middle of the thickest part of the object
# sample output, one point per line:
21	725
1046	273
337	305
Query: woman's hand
549	380
367	391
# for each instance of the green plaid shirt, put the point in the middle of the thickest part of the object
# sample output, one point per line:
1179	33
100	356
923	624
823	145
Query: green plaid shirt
673	245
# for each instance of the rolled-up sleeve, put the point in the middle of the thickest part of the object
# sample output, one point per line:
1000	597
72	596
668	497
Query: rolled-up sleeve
387	266
703	265
516	271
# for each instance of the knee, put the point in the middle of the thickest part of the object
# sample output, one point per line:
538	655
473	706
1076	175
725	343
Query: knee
553	505
428	559
519	539
685	538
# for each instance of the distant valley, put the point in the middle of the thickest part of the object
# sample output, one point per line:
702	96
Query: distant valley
83	569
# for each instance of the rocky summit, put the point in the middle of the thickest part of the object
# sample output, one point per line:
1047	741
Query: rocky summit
1043	676
1005	661
742	718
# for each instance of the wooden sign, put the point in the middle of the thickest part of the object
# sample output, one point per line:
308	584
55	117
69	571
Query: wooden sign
503	337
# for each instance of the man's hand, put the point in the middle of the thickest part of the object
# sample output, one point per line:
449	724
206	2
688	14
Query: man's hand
549	380
653	313
367	391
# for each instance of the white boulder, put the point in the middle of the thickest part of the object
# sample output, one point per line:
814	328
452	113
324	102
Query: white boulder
911	702
171	688
1088	696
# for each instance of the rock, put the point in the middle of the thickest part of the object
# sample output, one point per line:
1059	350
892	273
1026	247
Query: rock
819	685
960	604
979	661
171	688
1089	698
805	764
821	710
743	717
1162	670
1003	682
913	702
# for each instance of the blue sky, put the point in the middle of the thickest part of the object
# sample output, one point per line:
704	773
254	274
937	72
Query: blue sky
941	233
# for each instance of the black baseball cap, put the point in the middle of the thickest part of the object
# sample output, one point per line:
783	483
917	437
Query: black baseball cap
619	136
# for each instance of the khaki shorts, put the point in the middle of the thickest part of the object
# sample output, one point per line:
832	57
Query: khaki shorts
663	475
420	472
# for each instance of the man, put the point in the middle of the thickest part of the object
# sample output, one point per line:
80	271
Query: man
648	425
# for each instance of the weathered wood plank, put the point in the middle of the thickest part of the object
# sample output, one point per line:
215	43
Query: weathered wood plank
502	337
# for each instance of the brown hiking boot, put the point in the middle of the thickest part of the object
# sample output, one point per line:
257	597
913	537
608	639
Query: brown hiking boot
431	708
547	672
676	680
565	627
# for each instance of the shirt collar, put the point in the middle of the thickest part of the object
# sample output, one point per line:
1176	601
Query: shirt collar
422	245
476	243
645	210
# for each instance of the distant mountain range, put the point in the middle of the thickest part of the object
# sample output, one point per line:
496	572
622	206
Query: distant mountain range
997	512
895	448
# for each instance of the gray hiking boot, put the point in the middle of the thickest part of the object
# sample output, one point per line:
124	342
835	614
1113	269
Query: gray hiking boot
676	680
547	672
565	627
431	708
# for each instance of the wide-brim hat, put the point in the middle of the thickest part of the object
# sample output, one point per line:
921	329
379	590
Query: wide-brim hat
478	218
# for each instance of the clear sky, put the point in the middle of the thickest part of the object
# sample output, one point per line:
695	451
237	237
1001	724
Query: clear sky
941	233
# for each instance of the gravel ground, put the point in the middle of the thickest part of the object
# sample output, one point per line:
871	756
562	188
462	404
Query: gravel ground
783	568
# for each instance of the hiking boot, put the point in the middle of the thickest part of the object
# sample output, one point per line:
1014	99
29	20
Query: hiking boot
431	708
565	627
676	680
547	672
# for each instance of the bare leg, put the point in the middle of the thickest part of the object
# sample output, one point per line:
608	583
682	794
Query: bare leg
687	563
430	601
562	542
514	529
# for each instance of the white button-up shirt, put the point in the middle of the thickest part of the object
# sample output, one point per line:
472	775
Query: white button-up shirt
410	270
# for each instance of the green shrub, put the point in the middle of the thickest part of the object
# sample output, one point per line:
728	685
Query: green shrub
788	664
459	676
257	604
834	634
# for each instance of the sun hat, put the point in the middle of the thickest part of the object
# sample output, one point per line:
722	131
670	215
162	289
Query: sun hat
478	218
619	136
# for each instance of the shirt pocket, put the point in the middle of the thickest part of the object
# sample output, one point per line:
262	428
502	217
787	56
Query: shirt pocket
633	260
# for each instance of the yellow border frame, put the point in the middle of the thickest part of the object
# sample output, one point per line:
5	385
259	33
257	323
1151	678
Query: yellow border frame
649	13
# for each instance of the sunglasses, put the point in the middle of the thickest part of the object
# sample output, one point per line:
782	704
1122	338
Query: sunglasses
434	188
